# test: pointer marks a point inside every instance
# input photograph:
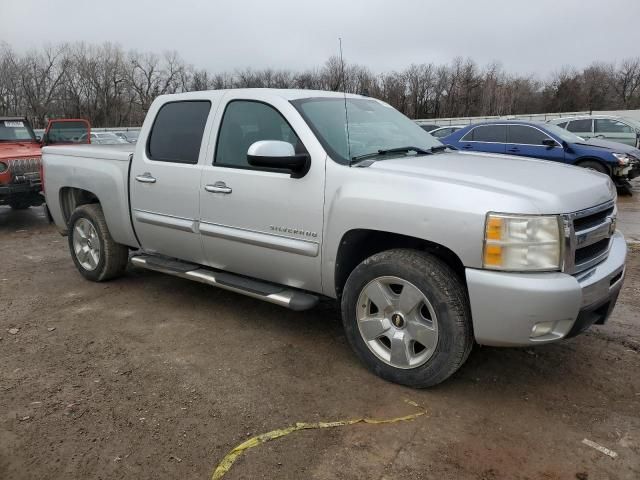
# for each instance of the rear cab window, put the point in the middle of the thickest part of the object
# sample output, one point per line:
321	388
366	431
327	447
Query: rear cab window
177	131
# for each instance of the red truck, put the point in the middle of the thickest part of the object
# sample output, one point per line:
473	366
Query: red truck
20	152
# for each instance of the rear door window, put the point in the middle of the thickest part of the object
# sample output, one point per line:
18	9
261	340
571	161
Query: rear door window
176	135
487	133
579	126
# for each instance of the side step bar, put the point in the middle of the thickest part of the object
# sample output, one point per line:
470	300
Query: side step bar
269	292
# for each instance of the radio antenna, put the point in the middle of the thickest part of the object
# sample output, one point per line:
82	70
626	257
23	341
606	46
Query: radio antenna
344	92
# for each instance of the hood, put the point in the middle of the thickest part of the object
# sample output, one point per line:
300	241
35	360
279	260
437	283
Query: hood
613	146
551	187
19	150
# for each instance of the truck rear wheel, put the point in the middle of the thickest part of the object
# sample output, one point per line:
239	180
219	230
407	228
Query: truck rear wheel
406	315
97	257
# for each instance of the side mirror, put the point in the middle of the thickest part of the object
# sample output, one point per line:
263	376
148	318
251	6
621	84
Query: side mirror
278	155
549	142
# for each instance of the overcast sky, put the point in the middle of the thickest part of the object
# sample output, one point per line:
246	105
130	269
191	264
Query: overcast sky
534	36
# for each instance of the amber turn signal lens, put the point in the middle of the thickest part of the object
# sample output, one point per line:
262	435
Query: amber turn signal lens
493	255
494	228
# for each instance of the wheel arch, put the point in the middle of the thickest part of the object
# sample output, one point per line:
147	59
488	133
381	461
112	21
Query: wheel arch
358	244
582	160
71	198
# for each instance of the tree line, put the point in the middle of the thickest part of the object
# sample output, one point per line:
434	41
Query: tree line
113	87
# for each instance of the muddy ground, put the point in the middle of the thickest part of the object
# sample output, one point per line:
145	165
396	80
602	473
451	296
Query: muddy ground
151	376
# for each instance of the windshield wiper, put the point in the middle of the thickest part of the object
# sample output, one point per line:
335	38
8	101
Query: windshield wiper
382	152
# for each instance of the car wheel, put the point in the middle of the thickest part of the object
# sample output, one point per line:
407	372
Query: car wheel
594	165
18	205
96	256
406	315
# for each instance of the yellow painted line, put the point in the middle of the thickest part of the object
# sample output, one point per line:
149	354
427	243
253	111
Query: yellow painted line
226	463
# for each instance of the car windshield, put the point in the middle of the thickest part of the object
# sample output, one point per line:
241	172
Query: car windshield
634	123
372	126
565	135
16	131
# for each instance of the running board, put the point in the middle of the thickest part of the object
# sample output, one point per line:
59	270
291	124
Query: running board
269	292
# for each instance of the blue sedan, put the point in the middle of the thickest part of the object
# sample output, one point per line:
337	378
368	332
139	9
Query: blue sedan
547	142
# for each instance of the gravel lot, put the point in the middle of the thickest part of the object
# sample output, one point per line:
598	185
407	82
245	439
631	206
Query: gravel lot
151	376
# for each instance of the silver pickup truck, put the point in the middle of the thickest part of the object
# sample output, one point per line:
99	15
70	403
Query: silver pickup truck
292	195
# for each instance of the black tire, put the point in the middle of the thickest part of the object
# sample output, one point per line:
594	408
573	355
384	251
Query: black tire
448	297
594	165
18	205
113	256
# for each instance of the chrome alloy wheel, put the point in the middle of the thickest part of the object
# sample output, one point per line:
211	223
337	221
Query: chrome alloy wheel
397	322
86	244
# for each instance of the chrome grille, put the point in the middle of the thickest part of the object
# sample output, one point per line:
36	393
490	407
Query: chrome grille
24	170
587	236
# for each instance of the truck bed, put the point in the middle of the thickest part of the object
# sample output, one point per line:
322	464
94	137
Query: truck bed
120	152
102	170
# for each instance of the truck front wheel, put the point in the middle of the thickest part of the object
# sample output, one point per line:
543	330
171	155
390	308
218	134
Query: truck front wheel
97	257
406	315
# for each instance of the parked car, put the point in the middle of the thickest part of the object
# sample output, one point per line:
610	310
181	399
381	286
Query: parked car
131	136
20	166
263	192
442	132
427	127
106	138
615	129
548	142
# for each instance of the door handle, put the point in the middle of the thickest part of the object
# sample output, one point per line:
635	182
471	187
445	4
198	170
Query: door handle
218	187
513	150
467	147
145	178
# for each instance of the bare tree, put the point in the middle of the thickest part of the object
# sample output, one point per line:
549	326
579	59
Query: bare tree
112	88
627	81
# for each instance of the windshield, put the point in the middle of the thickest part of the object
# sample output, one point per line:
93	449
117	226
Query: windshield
565	135
373	126
16	131
634	123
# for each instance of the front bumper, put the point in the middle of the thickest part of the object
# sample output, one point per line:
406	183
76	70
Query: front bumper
29	190
506	307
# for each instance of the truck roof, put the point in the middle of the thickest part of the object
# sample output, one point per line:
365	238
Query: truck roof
284	93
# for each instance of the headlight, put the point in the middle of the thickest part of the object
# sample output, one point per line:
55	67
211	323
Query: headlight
522	243
3	167
623	159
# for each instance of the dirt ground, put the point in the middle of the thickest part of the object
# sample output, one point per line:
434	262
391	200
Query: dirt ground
151	376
